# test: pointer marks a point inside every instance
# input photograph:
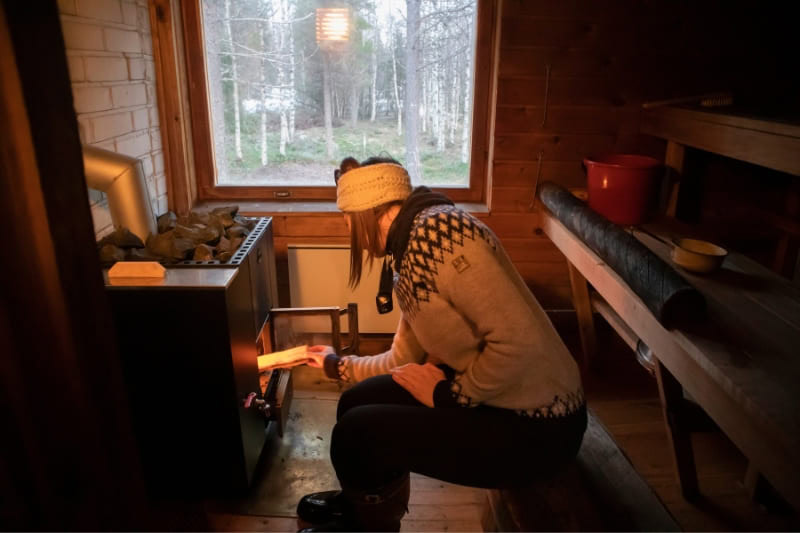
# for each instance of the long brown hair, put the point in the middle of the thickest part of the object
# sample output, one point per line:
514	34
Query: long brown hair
364	227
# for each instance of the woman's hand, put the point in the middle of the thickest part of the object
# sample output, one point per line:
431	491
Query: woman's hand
316	355
419	380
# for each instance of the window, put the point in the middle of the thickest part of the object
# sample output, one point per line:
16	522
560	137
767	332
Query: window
274	110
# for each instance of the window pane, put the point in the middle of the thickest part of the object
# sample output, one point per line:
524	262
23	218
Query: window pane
285	108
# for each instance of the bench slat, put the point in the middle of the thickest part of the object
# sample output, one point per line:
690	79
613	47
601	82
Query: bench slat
600	491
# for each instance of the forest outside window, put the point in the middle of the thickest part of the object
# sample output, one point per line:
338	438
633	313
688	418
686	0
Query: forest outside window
276	110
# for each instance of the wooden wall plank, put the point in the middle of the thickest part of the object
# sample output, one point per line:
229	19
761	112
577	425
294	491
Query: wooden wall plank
562	146
565	62
535	249
562	91
327	226
529	31
282	244
572	9
507	225
513	199
550	273
574	119
509	173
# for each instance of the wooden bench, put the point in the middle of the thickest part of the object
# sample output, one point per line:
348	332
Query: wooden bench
600	491
739	365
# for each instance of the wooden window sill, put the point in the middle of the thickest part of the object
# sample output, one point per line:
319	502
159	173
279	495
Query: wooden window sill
294	208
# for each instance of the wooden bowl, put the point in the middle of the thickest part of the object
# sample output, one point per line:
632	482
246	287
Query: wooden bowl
698	256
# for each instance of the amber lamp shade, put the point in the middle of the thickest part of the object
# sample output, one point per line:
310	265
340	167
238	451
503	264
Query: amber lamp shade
333	26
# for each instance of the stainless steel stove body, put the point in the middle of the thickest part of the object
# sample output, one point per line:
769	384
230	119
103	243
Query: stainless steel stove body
189	345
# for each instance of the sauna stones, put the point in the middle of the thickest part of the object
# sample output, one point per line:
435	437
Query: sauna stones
213	235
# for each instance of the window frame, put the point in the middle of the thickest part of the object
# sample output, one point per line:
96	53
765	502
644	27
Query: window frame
205	187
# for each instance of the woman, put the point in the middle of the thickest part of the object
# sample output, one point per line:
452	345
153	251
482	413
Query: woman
477	388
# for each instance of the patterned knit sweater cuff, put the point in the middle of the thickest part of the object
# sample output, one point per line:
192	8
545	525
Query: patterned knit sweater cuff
442	395
331	366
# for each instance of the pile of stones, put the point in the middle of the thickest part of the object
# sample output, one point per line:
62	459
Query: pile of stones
200	236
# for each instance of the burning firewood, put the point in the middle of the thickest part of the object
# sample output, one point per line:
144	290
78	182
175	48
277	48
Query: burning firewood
284	359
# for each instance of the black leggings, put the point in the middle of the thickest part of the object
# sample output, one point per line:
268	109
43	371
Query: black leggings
382	431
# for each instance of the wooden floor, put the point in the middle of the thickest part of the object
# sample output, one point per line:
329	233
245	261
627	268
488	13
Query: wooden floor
625	399
434	505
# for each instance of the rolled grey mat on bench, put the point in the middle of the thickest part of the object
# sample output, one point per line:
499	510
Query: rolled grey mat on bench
671	299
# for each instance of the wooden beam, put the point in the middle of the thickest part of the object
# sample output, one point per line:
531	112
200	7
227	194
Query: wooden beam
671	393
613	319
172	104
674	161
774	145
583	309
69	459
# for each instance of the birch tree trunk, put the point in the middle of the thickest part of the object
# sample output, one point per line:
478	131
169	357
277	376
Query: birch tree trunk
284	74
423	103
454	99
326	97
465	122
263	80
441	108
374	90
398	105
429	113
237	123
354	103
412	90
216	95
292	72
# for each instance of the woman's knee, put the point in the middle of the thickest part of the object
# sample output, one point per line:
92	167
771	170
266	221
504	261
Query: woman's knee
350	437
358	450
377	390
350	398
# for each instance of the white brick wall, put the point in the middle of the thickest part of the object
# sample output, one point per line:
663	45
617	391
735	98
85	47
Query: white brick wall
110	57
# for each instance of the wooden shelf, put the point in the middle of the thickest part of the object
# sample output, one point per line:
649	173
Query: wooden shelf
771	144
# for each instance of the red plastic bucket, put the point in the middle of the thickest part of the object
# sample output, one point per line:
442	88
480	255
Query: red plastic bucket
622	187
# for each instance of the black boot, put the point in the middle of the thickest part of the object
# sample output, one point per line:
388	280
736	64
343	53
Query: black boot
382	509
378	510
321	507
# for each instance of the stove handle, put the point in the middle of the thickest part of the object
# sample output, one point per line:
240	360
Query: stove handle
254	402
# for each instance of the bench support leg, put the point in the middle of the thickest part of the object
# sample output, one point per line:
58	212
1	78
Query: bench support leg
671	393
754	483
583	310
674	162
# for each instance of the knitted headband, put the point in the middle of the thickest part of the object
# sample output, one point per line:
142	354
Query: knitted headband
372	185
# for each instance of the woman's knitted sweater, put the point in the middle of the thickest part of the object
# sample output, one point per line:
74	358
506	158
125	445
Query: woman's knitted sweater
464	304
